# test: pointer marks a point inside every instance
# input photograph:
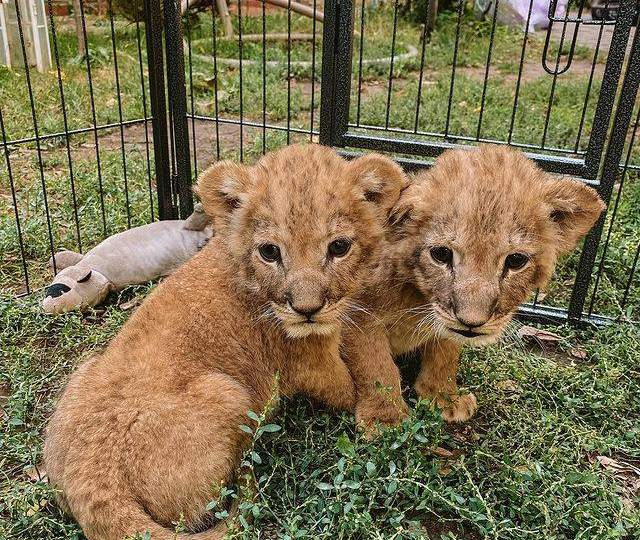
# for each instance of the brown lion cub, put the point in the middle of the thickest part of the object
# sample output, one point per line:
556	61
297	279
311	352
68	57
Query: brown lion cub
145	431
474	236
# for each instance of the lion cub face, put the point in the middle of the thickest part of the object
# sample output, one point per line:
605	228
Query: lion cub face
302	227
482	230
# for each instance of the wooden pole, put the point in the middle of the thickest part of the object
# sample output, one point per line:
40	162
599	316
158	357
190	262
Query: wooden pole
77	15
223	11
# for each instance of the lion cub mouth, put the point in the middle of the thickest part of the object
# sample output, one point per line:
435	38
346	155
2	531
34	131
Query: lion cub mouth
307	328
322	323
467	333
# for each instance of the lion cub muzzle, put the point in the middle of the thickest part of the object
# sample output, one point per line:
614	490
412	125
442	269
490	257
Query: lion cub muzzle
473	303
306	308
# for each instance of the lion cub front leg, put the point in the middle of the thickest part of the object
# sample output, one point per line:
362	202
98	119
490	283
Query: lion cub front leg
366	350
329	381
437	380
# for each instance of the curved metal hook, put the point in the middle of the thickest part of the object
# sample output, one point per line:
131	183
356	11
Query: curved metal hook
552	18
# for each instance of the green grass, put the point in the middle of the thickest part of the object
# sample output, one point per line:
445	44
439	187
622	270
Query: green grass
526	467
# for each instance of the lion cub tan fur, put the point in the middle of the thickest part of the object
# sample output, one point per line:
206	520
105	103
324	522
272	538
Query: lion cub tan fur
474	236
145	431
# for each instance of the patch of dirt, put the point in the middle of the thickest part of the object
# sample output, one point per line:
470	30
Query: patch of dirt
5	392
531	71
205	140
437	528
625	471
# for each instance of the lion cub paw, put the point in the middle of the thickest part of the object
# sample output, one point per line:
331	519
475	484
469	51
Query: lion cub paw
458	407
370	414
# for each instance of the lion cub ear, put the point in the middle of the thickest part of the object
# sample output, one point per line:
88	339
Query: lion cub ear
409	210
574	208
378	179
223	187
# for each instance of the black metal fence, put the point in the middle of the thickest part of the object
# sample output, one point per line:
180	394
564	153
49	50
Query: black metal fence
114	135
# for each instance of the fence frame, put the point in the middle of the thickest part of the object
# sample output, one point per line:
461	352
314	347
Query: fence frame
598	165
334	131
335	95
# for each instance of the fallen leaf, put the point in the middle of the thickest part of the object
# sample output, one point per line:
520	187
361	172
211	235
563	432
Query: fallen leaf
5	391
541	296
442	452
126	306
508	386
626	474
4	395
578	352
618	465
628	503
538	335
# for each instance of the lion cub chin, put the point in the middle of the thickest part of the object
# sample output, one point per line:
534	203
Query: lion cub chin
474	236
145	432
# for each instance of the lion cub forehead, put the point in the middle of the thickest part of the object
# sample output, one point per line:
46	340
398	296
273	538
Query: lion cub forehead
306	220
487	195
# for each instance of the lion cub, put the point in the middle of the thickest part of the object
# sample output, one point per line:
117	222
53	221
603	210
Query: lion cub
145	431
474	236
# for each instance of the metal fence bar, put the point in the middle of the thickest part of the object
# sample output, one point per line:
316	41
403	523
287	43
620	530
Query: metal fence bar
240	80
143	94
337	47
178	107
434	149
613	155
65	120
608	89
613	214
214	51
329	66
87	57
114	49
14	199
194	143
313	68
34	118
153	30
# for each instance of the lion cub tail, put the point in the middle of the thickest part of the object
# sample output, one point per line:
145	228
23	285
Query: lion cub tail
129	519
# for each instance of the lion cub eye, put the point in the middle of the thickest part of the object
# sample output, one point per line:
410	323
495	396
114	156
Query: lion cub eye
339	247
269	252
441	254
515	261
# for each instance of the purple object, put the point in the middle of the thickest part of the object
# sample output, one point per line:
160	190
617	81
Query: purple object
516	12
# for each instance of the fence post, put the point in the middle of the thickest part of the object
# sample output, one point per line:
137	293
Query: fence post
335	92
157	94
178	107
610	169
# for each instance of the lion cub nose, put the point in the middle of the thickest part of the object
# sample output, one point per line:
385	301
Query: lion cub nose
307	307
471	324
308	312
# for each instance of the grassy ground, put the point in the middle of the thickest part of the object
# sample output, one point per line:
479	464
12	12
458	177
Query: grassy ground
534	463
552	451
